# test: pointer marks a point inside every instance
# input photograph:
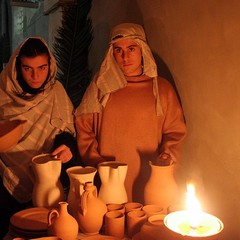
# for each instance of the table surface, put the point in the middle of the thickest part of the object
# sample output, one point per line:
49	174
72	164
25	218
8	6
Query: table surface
80	236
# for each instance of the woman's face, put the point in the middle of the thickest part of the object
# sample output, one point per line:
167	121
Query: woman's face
128	56
35	70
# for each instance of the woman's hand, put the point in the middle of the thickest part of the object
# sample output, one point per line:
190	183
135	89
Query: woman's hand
63	153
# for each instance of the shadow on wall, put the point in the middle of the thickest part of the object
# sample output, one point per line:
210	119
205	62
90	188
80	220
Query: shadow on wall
127	11
164	72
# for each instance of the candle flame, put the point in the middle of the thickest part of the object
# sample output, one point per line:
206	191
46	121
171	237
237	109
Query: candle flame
193	206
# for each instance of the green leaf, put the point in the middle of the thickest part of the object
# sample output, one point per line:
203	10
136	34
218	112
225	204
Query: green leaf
71	49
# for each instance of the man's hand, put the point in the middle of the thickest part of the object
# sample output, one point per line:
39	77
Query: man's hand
163	160
63	153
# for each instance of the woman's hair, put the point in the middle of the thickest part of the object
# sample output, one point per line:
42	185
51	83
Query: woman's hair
31	48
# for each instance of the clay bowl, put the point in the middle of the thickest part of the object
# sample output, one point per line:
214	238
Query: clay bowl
10	133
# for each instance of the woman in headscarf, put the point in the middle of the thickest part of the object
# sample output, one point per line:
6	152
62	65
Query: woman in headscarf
129	113
30	92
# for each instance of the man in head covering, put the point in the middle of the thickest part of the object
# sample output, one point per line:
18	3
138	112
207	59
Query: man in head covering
30	92
129	114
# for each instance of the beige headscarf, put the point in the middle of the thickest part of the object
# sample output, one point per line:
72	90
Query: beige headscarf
110	77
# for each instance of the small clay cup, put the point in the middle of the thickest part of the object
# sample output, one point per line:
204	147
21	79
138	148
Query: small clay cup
114	224
131	206
152	209
116	207
135	220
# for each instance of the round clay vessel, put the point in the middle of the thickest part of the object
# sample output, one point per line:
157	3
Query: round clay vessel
10	133
62	224
154	228
91	210
161	188
152	209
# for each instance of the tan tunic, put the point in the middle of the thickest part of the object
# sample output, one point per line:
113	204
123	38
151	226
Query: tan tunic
128	130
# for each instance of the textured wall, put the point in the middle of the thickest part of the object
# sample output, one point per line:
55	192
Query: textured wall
197	46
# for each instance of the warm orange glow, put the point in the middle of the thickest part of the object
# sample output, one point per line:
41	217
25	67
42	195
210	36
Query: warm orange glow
192	221
193	206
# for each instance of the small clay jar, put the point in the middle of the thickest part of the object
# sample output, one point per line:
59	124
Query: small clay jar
62	224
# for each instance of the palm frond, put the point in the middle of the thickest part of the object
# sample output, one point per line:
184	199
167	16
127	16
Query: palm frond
71	48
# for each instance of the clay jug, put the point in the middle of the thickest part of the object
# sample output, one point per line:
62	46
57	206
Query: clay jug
112	175
47	189
78	176
62	224
91	210
161	188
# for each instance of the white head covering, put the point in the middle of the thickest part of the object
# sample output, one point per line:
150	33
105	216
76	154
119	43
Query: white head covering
111	78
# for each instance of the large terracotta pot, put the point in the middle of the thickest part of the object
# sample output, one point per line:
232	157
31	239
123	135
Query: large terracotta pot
47	190
112	175
62	224
161	188
91	210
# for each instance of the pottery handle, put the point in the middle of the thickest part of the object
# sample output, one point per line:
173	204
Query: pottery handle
84	202
51	216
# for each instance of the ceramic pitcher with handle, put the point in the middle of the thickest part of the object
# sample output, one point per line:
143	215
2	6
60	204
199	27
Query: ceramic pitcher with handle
47	190
78	176
112	175
62	224
91	210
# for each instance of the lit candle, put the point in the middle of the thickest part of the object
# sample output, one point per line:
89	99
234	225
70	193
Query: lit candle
192	221
193	207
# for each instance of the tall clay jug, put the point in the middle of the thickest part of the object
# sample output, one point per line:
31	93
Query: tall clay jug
161	188
78	176
112	175
91	210
62	224
47	190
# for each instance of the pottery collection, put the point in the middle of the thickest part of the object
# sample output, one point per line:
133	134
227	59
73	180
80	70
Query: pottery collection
89	212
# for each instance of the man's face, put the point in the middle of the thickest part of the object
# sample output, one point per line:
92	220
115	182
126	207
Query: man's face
128	56
35	70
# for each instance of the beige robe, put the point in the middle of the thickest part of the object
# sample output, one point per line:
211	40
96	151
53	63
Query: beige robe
129	130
